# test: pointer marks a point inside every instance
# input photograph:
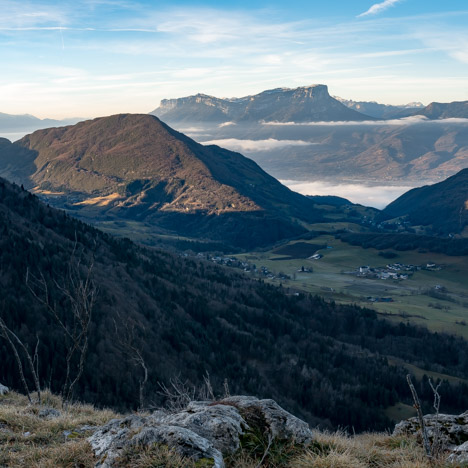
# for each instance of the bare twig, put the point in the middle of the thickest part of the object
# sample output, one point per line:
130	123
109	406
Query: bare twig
5	333
417	405
126	336
436	442
178	394
209	388
267	450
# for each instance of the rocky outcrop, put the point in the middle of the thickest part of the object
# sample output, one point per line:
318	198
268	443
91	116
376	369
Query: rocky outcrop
4	390
204	430
451	432
49	413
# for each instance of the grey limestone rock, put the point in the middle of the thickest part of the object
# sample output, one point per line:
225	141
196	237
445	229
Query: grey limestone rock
203	430
186	442
281	424
4	390
452	430
459	454
49	413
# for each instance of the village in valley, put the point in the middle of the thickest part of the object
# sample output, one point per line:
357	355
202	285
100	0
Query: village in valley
394	271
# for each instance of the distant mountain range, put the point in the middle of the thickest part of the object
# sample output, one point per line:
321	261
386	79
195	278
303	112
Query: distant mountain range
305	134
382	111
438	110
134	167
29	123
304	104
442	206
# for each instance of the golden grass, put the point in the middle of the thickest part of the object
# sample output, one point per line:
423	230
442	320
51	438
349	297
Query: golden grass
365	451
26	440
100	201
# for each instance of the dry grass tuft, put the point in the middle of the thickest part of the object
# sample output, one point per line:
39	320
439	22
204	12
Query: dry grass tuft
26	440
338	450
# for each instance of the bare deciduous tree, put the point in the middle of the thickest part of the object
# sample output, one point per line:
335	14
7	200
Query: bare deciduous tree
80	292
14	341
126	334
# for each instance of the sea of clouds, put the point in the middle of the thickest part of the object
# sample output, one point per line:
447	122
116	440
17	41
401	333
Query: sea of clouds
377	196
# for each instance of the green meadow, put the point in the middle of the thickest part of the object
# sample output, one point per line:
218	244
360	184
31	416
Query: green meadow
436	299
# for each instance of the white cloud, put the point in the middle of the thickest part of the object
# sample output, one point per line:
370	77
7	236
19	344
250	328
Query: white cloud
413	120
377	196
255	145
379	7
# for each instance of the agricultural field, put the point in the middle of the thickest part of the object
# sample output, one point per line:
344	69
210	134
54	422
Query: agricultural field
436	297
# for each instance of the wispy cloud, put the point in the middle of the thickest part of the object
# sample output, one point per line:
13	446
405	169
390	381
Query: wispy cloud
413	120
379	7
256	145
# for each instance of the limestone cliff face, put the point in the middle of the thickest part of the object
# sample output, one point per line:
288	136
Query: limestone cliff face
304	104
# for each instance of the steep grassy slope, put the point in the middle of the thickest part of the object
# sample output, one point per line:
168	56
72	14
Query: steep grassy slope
444	206
322	361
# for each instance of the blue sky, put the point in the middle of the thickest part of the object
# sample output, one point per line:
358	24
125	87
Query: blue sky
98	57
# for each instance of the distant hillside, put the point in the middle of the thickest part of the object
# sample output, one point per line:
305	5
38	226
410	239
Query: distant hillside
381	111
137	168
444	206
305	104
28	123
322	361
439	110
415	150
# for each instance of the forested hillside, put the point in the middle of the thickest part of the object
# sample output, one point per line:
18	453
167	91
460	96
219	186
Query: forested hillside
326	363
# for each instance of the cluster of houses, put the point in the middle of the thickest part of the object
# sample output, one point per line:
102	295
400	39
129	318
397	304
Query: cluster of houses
246	266
395	271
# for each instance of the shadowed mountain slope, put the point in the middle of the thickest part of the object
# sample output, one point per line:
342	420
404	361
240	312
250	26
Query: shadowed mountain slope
444	205
381	111
439	110
135	167
322	361
305	104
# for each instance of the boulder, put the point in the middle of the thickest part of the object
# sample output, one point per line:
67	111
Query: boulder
459	454
279	423
186	442
204	430
4	390
453	429
109	442
220	424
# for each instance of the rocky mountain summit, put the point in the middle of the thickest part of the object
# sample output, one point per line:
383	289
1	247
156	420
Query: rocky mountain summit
304	104
382	111
445	110
205	431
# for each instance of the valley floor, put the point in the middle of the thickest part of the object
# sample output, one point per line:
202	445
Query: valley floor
27	439
435	297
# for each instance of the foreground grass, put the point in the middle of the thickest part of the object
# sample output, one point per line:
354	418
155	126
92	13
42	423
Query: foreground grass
26	440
